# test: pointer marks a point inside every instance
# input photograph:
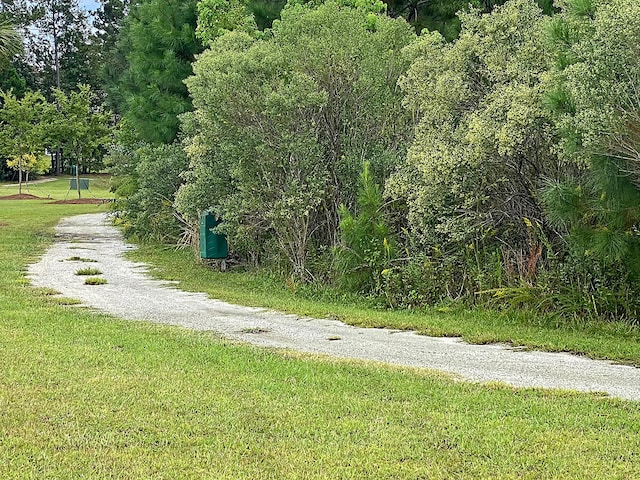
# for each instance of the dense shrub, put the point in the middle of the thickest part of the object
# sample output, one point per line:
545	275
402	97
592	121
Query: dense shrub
282	125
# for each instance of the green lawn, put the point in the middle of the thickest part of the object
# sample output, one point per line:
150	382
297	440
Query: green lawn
607	340
59	188
83	395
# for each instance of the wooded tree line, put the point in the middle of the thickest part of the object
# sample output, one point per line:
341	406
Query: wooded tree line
493	157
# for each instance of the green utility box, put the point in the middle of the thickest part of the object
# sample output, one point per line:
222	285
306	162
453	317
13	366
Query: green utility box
212	245
84	184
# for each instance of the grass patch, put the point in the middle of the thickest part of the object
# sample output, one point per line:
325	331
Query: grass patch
95	281
46	291
66	301
615	341
83	395
88	271
255	330
58	189
80	259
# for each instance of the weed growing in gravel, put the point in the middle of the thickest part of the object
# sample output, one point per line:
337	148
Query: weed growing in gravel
80	259
255	330
88	271
95	281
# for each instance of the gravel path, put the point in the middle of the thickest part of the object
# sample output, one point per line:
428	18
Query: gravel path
131	294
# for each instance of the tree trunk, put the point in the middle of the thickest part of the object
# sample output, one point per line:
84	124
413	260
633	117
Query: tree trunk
56	60
58	162
78	178
56	54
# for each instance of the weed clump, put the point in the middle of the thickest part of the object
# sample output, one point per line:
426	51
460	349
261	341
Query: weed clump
88	271
80	259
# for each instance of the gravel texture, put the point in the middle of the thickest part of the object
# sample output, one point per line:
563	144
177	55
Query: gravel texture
131	294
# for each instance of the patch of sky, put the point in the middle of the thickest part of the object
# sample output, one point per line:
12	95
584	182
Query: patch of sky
89	4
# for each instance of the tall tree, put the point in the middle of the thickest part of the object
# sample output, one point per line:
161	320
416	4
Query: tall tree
284	123
159	44
484	142
58	43
108	21
596	100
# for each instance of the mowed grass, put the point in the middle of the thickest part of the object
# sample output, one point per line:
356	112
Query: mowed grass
58	188
615	341
84	395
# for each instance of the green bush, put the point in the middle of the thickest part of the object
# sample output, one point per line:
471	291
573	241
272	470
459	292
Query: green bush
367	249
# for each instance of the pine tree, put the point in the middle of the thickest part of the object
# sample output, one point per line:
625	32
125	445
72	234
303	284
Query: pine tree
595	102
158	43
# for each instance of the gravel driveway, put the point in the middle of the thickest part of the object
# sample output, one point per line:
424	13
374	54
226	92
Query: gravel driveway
131	294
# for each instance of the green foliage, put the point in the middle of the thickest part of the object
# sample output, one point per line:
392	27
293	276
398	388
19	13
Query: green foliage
10	41
282	125
484	142
215	17
11	78
595	101
57	36
367	248
108	21
368	6
79	128
597	73
148	178
265	11
30	163
95	281
159	44
23	128
24	123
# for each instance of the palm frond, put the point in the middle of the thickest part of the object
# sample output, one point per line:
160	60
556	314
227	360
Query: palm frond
10	40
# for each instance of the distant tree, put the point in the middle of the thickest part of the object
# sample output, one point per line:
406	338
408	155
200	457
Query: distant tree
80	129
108	21
28	163
57	40
23	129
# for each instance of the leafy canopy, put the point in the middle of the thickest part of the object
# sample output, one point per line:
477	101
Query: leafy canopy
283	123
484	140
